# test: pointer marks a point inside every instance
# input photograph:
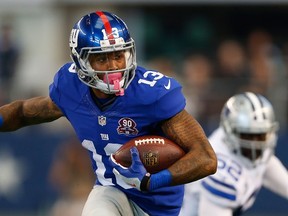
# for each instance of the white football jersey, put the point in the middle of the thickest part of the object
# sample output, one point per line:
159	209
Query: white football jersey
233	188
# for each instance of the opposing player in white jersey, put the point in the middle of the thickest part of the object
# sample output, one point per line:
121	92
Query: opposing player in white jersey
109	100
244	144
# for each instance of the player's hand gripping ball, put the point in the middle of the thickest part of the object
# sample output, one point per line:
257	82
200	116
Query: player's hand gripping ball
156	152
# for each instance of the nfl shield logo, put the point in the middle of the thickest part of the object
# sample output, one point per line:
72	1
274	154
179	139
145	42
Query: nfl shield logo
150	158
102	120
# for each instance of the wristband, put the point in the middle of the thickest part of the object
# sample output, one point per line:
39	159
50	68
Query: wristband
160	179
1	121
144	182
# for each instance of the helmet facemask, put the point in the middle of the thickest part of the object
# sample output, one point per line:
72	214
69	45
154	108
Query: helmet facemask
250	128
99	33
252	151
112	81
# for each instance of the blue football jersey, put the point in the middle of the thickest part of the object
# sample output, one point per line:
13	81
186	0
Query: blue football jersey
150	98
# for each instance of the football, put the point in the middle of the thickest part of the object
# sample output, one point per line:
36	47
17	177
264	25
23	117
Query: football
156	152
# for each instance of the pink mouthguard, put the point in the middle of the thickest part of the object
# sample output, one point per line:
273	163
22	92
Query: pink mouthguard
114	78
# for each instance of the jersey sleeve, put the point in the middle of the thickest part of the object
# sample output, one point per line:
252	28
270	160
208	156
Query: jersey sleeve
276	177
65	90
224	187
219	192
195	202
170	104
207	207
170	101
54	91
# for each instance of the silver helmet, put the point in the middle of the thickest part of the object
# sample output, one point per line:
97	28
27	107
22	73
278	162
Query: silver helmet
250	128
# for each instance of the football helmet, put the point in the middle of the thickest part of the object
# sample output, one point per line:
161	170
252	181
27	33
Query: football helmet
250	128
102	32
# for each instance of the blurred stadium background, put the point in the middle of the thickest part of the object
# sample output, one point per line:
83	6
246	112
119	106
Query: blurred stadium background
214	48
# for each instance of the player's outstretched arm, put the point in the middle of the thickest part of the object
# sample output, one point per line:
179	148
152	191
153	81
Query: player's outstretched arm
200	159
22	113
276	177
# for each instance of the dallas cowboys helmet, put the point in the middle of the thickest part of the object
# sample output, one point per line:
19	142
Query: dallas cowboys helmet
243	117
102	32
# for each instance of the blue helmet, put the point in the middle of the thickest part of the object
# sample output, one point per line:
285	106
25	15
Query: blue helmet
102	32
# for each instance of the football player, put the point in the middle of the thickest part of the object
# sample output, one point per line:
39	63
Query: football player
109	100
244	144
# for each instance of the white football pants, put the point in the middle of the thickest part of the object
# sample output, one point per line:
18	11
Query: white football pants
106	200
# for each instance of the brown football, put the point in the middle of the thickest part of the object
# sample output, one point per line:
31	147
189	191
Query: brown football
156	152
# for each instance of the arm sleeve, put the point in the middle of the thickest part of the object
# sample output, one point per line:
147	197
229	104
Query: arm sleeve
276	177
